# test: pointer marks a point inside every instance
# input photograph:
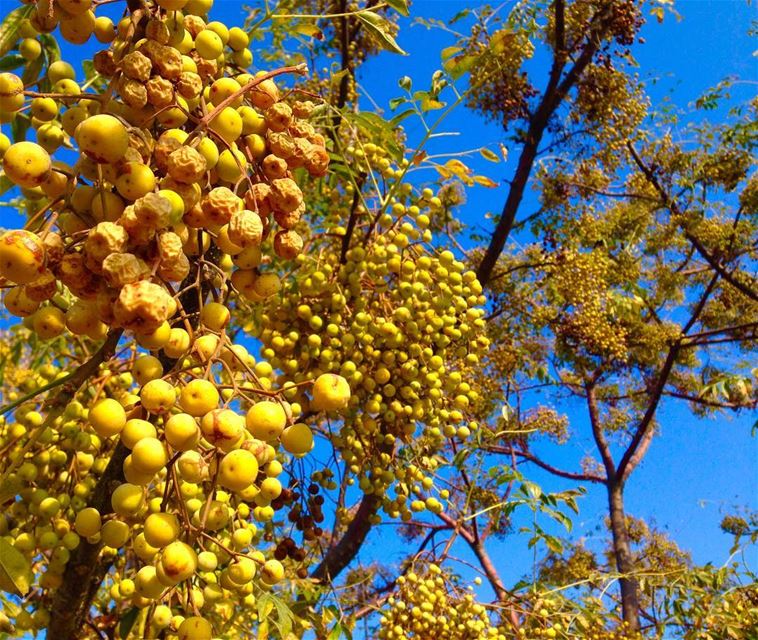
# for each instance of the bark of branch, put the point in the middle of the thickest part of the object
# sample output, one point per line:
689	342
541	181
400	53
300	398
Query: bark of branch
527	455
353	218
86	570
341	554
630	603
554	94
599	436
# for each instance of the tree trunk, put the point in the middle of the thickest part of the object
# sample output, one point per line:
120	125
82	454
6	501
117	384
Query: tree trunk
630	602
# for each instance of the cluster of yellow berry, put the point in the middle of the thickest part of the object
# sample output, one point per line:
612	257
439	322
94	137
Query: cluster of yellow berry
430	606
146	196
183	187
405	327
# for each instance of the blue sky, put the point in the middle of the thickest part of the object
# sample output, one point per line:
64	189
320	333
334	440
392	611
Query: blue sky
695	469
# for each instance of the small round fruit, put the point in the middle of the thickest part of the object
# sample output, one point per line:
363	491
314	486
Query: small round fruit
161	529
330	393
30	49
297	439
149	455
158	396
136	429
208	45
178	561
182	432
237	469
11	92
198	397
266	420
107	417
272	572
195	628
147	368
135	180
127	499
22	256
103	138
26	164
49	322
88	522
115	533
215	316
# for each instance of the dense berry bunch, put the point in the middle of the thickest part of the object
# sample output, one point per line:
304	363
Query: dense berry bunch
404	326
182	185
430	606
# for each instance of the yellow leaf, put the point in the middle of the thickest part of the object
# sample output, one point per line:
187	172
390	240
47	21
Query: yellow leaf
457	168
484	181
15	571
501	40
308	29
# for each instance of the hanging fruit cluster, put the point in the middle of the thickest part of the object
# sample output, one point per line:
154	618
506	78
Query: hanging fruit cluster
182	191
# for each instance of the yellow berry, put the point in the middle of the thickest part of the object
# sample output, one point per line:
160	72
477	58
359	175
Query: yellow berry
26	164
103	138
107	417
266	420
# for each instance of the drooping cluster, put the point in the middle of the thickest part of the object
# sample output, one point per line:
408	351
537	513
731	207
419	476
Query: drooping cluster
430	606
403	326
195	155
183	183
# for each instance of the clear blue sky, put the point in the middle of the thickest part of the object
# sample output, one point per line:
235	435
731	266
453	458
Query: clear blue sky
696	468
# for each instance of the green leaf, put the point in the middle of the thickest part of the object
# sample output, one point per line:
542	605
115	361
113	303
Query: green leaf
532	489
458	65
20	126
127	621
15	570
396	102
5	184
401	6
9	488
449	52
50	46
402	116
380	29
12	61
10	26
31	73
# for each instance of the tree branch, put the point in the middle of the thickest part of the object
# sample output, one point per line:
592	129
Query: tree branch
672	205
599	435
554	94
341	554
585	477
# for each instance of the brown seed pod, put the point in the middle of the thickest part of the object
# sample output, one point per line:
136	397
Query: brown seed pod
278	117
160	92
245	228
189	85
136	66
153	210
186	165
288	244
258	199
219	204
124	268
274	167
285	194
103	239
142	306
